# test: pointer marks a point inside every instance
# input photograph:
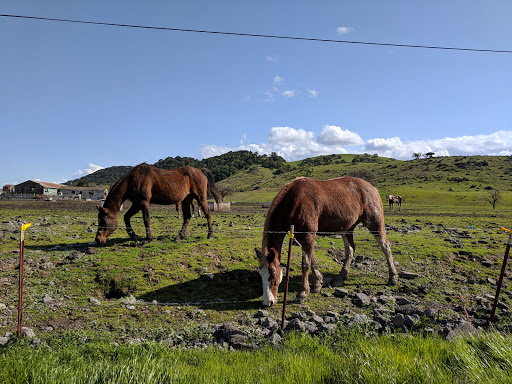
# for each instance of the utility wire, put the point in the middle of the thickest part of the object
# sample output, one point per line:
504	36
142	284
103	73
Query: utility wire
260	35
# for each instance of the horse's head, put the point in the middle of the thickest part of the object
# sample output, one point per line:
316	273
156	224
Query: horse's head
107	223
271	275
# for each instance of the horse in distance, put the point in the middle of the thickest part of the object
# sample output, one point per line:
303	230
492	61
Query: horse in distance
315	207
145	185
392	200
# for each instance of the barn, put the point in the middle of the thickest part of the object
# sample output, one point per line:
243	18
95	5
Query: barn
35	187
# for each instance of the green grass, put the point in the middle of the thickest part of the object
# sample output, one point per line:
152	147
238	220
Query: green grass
347	356
177	276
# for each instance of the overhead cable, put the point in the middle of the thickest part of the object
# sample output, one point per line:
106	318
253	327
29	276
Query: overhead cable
260	35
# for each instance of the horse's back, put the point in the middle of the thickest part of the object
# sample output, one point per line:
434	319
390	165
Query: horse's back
334	204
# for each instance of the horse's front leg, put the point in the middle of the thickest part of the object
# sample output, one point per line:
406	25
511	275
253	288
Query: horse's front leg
307	255
316	278
127	216
350	247
146	209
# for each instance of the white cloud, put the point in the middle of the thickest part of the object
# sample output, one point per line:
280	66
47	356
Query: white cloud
286	136
296	144
278	79
333	135
271	59
87	171
344	30
289	93
312	92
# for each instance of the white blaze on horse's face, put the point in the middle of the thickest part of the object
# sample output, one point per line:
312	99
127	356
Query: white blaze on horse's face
271	276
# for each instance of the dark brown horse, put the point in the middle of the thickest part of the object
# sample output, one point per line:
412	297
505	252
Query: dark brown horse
145	185
316	206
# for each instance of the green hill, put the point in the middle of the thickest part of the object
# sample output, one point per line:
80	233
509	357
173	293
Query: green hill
249	177
427	181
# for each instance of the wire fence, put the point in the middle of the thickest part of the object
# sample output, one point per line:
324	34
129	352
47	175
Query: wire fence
56	275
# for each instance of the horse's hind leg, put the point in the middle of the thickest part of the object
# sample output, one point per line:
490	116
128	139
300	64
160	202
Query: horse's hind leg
348	240
146	208
185	206
203	204
383	241
127	216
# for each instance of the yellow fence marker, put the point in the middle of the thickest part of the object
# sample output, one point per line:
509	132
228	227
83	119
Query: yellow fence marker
20	291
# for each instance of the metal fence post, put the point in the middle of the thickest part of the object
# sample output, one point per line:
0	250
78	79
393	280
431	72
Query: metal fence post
20	290
503	267
291	235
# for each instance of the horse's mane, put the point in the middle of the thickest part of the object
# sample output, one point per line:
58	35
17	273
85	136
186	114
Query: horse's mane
271	212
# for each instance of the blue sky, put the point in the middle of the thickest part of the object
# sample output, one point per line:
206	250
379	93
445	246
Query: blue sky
76	97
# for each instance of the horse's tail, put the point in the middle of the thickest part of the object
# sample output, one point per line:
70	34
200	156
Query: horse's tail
211	185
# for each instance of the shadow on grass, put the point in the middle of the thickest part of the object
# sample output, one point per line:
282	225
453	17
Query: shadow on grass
239	289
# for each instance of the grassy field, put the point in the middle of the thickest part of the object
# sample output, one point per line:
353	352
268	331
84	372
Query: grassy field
76	292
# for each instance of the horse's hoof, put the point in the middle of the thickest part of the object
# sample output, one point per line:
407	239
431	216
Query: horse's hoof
316	288
393	281
299	300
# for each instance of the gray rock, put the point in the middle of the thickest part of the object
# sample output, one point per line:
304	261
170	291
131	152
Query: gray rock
94	301
340	292
409	309
47	299
296	324
463	329
28	332
408	275
299	315
359	319
360	299
4	340
316	319
400	300
398	320
261	313
232	334
275	339
269	323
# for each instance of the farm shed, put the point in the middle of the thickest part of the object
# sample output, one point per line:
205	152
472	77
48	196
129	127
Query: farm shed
38	188
82	193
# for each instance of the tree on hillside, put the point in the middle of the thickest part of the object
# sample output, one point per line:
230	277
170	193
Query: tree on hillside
429	155
493	196
417	155
365	174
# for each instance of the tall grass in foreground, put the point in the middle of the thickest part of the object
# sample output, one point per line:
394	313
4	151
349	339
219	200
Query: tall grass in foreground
346	357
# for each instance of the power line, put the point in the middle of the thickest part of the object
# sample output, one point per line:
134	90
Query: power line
260	35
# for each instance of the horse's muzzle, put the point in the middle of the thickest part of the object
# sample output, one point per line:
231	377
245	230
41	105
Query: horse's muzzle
100	239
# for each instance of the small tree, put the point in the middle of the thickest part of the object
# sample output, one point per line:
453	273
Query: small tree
417	155
494	195
429	155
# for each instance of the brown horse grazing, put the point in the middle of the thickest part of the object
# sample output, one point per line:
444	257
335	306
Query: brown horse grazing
316	206
394	199
145	185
